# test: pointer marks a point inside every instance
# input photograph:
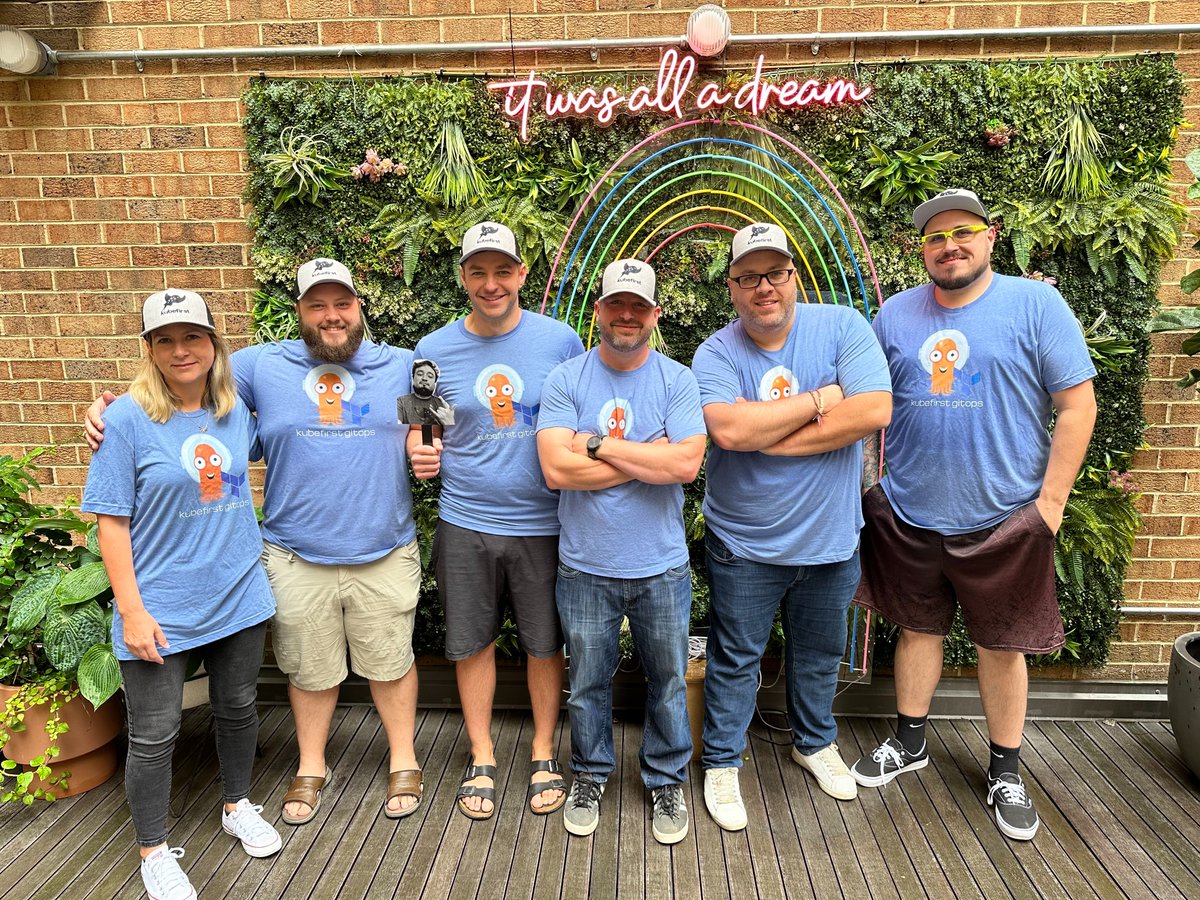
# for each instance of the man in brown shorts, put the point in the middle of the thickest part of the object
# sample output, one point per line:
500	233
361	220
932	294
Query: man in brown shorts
975	486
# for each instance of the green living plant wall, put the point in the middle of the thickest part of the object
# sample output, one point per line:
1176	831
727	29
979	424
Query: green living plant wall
1072	158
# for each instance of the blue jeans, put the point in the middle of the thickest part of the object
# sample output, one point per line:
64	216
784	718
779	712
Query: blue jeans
153	707
658	607
745	596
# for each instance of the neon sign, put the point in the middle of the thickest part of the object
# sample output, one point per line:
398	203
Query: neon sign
671	94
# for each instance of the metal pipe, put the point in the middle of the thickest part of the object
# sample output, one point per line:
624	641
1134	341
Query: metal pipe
1181	611
596	44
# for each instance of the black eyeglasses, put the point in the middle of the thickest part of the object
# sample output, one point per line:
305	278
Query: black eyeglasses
753	279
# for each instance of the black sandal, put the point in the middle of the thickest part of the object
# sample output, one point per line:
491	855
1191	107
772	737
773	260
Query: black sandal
469	790
550	784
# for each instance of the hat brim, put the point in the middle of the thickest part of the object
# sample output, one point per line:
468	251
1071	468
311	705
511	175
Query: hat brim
749	250
328	279
462	259
938	205
207	326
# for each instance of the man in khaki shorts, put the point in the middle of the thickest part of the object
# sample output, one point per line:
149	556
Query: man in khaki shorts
340	543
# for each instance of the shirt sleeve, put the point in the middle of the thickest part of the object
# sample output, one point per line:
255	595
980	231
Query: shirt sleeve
111	484
861	365
558	408
1062	351
684	415
243	373
716	374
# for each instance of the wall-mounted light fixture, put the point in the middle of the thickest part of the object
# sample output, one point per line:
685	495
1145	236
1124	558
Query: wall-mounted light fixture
708	30
24	54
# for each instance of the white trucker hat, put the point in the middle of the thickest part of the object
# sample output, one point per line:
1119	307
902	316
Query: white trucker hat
322	270
171	306
759	236
629	276
489	236
954	198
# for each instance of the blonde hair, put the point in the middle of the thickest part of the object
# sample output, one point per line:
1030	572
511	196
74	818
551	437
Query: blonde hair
150	390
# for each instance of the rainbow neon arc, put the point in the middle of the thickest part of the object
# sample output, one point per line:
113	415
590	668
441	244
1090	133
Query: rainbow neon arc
706	175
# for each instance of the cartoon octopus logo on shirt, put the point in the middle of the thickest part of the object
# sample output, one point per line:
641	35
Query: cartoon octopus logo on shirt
330	388
943	353
616	418
499	389
207	461
778	383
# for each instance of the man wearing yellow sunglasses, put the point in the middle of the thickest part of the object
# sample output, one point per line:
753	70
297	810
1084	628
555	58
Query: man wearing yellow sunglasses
975	486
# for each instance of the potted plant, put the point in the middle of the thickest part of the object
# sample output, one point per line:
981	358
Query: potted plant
57	668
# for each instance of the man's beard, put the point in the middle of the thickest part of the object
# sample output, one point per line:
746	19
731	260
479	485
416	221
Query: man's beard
324	352
961	280
624	344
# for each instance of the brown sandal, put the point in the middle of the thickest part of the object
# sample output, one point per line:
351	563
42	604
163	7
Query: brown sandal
405	783
305	789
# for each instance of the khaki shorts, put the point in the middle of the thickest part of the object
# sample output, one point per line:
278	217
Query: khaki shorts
323	610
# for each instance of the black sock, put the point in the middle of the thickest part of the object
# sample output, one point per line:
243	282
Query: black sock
910	732
1005	760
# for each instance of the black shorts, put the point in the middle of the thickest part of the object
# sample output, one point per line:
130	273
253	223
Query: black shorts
477	573
1002	577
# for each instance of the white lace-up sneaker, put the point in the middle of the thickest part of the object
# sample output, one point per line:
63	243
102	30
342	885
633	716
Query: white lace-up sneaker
830	771
246	823
163	878
723	797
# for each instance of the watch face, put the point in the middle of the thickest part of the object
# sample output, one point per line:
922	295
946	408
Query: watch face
593	444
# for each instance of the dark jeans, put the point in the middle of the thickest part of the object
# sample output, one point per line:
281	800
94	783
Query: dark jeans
745	595
153	703
658	607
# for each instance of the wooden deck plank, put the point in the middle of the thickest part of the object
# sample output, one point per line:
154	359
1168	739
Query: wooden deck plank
388	848
1144	769
462	881
1023	863
1144	822
1103	834
632	877
1115	808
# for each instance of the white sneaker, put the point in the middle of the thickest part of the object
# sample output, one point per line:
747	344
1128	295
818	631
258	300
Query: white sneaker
830	771
163	878
246	824
723	797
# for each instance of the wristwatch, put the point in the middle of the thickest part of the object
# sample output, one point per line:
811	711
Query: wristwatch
593	444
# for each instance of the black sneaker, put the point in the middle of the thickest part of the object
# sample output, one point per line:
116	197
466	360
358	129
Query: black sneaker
887	761
582	812
1014	810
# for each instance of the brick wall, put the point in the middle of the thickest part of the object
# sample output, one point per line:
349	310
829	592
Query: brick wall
117	180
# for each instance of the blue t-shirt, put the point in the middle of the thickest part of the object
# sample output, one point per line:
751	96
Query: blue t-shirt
196	544
633	530
337	490
491	479
789	510
968	442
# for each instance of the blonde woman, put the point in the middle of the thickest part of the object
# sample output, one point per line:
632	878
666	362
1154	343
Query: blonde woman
181	545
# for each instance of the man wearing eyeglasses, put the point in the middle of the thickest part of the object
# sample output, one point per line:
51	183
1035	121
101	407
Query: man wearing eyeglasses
789	391
975	486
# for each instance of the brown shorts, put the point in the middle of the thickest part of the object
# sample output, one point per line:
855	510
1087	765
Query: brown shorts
1002	577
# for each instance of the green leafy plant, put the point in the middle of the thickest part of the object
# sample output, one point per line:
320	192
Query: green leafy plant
1099	521
1187	317
1075	169
1108	351
301	168
576	180
55	637
274	317
454	178
907	177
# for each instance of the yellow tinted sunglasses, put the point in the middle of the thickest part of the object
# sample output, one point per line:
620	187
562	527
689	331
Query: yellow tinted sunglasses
963	234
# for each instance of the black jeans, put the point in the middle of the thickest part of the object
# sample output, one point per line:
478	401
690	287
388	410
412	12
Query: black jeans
153	703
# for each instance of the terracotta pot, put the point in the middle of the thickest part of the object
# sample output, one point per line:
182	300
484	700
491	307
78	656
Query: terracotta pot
695	704
88	751
1183	698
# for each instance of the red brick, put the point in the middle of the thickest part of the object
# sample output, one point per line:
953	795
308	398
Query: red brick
39	164
209	112
150	113
422	31
155	209
96	164
94	114
27	280
159	256
137	12
230	35
349	32
211	161
116	88
182	185
171	37
129	233
1117	14
35	115
48	257
68	187
119	138
155	162
103	257
186	232
288	33
81	280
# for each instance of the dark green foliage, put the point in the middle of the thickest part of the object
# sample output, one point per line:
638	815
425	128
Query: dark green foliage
398	232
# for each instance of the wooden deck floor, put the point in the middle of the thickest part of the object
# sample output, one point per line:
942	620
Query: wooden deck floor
1120	818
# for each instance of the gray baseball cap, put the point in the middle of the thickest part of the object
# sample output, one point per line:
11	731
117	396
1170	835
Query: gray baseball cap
953	198
171	306
322	270
759	236
489	236
629	276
